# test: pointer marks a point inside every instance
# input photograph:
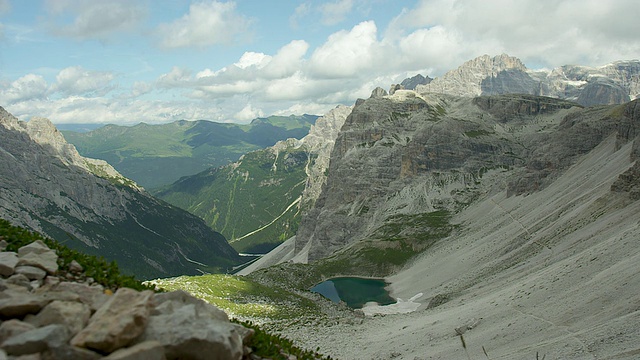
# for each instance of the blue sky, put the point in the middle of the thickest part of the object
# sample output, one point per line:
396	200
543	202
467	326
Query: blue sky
127	61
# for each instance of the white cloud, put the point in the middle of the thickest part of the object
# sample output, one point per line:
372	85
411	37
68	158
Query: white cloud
93	19
75	80
335	12
288	60
300	12
28	87
346	53
206	24
254	59
248	113
177	77
589	32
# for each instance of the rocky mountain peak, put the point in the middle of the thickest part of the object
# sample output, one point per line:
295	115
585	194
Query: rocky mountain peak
467	79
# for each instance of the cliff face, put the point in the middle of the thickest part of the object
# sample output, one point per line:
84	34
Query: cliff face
614	83
409	154
46	186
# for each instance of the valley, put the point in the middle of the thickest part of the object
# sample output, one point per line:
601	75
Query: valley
503	220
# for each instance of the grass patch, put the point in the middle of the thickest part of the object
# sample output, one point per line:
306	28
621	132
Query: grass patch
241	297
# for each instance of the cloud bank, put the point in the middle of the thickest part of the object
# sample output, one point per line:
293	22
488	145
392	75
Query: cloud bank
430	38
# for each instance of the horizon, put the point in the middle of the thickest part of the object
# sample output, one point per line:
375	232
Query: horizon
85	62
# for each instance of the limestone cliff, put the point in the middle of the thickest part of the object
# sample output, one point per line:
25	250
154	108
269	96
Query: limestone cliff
407	154
46	186
614	83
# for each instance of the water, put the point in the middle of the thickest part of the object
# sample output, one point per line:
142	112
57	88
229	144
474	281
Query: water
354	291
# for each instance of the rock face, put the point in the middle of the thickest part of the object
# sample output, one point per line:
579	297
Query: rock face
46	186
408	154
46	319
614	83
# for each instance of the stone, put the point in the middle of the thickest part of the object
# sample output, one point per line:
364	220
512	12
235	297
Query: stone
20	280
36	340
39	255
3	244
3	355
8	262
66	351
18	305
74	315
118	322
31	272
148	350
75	267
378	93
13	327
186	335
168	302
93	296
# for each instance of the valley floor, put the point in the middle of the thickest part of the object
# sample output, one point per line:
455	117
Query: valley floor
553	273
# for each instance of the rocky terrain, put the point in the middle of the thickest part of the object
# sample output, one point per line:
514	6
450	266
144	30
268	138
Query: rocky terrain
524	209
46	316
614	83
46	186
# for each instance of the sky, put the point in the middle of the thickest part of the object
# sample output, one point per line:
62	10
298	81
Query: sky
157	61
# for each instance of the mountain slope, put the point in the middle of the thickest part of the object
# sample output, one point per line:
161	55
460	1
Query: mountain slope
614	83
256	201
46	186
511	220
156	155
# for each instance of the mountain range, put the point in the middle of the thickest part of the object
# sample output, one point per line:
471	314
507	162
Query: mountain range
256	201
614	83
157	155
46	186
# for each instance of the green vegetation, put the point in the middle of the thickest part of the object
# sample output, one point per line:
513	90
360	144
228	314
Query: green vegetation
243	298
157	155
247	197
277	347
388	249
104	273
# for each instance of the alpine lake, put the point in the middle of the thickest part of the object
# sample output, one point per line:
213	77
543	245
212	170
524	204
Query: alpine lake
354	291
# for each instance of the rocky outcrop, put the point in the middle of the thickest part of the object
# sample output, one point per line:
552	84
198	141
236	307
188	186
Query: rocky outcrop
412	82
412	153
51	318
614	83
47	187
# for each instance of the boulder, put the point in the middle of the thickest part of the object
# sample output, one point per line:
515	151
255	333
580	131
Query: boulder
13	327
39	255
8	262
93	296
185	334
31	272
169	302
148	350
74	315
36	340
118	322
17	305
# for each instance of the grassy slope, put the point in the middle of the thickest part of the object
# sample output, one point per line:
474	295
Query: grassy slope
236	200
156	155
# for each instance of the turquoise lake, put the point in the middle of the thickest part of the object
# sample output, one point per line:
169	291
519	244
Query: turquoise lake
354	291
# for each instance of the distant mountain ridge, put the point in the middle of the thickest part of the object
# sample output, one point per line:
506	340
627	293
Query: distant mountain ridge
614	83
157	155
46	186
257	201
